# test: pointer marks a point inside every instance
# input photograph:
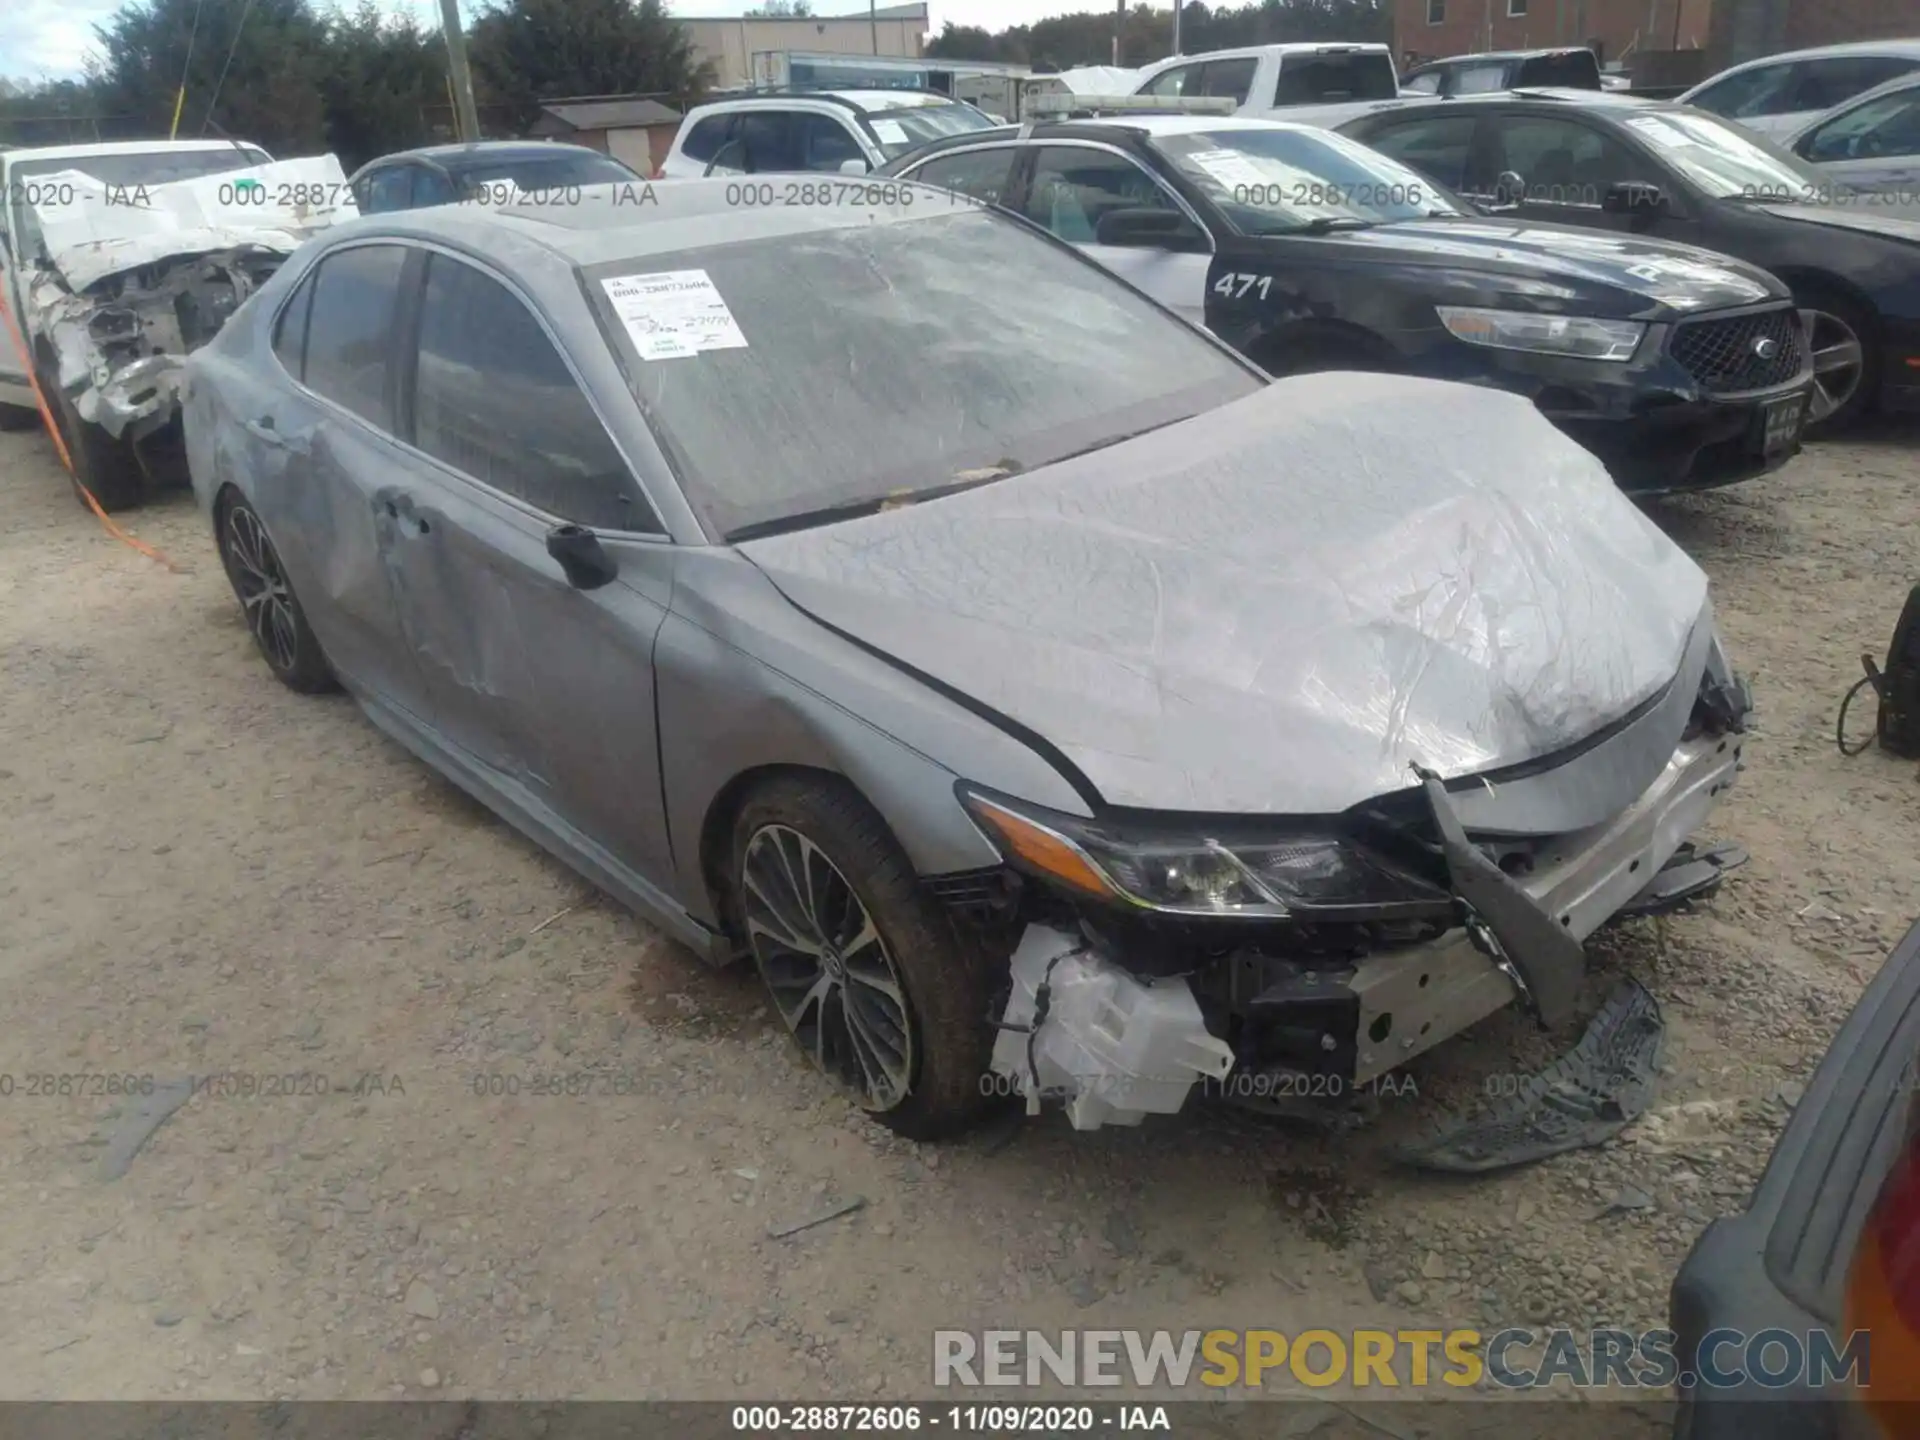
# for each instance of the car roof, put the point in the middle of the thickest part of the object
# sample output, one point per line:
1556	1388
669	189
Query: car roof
1502	55
1558	97
867	101
481	151
634	219
1113	129
1909	48
1291	47
126	147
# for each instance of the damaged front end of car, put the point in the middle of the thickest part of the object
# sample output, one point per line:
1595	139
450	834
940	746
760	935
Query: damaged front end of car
121	345
1270	960
132	279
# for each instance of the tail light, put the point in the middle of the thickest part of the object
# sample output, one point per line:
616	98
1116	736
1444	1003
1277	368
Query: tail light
1883	1295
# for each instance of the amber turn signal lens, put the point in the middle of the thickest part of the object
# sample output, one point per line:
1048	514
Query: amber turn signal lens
1883	1299
1042	850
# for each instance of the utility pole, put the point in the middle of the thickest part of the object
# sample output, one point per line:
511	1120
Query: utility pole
1678	6
873	23
466	117
1176	27
1119	24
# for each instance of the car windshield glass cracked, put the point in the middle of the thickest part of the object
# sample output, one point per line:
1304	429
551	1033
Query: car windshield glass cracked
893	359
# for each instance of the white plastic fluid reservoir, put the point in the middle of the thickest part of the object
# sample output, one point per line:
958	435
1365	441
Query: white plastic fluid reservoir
1113	1047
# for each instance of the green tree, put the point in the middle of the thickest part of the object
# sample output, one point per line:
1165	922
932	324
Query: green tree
526	51
251	69
380	73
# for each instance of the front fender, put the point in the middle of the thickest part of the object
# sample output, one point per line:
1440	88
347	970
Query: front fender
747	682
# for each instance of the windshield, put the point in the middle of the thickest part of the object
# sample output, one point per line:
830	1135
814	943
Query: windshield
153	167
909	128
892	360
1724	160
1288	181
547	172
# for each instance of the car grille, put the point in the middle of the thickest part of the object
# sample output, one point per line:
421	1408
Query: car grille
1724	355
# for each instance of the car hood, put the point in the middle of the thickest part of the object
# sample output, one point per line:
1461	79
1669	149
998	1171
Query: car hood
1563	268
1861	214
1278	606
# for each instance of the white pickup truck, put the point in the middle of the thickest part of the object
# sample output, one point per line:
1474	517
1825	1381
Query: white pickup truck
118	259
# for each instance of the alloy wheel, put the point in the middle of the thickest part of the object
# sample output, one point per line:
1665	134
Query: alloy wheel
1839	360
262	587
829	970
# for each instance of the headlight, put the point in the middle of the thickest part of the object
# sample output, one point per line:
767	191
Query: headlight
1181	872
1581	336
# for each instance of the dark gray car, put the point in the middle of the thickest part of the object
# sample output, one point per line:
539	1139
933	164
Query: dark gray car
877	587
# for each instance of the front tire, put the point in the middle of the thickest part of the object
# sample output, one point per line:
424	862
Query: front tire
103	467
274	617
869	975
1846	359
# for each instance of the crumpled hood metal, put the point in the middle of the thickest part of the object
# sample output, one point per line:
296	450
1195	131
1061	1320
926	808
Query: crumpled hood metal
138	276
93	230
1276	607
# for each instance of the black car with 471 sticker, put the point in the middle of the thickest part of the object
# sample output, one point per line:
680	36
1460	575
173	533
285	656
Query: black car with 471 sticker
1305	250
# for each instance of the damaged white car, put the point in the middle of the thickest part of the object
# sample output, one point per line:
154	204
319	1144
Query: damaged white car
119	260
1044	698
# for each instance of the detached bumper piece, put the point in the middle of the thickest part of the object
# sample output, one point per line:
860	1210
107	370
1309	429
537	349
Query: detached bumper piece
1081	1030
1545	963
1583	1099
1690	875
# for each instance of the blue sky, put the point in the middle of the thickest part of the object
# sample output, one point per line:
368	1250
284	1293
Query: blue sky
49	38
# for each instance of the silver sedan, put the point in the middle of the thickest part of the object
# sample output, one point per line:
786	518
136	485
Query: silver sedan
1043	698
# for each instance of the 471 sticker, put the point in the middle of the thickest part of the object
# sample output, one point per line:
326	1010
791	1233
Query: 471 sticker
1236	286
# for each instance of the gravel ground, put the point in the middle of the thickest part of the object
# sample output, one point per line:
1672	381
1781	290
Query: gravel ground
200	871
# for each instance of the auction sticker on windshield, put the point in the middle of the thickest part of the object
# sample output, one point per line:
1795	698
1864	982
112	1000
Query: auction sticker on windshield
1231	168
673	314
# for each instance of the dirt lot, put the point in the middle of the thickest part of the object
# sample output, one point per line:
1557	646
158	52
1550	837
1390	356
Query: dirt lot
200	871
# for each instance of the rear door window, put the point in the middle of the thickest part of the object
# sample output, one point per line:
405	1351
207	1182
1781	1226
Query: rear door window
1327	79
493	399
1879	129
1560	162
1763	90
1230	78
704	140
1427	82
1823	84
1479	79
1180	80
356	294
389	189
290	330
825	142
1572	70
1437	147
1074	186
983	174
765	141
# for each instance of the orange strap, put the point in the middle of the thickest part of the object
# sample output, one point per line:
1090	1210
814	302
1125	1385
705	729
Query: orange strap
66	459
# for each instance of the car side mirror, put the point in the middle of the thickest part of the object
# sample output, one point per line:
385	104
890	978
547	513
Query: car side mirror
580	554
855	167
1635	197
1510	188
1147	229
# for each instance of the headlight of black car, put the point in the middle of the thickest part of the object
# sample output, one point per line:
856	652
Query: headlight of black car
1237	872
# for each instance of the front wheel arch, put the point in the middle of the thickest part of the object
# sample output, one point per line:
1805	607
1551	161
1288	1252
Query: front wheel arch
1320	344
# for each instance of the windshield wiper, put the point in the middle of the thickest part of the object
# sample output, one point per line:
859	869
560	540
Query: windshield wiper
854	509
1325	224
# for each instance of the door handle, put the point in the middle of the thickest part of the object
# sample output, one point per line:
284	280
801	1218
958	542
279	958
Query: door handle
265	431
